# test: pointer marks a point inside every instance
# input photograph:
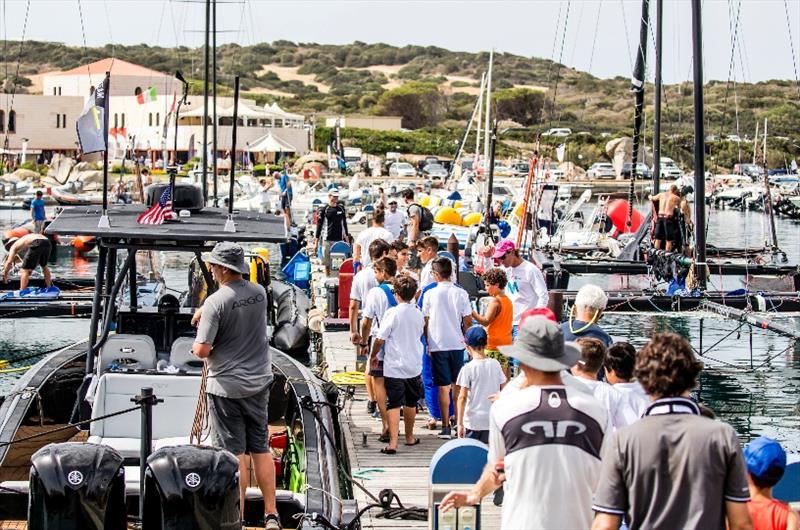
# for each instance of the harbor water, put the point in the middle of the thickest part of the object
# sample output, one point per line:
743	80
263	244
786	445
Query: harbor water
752	376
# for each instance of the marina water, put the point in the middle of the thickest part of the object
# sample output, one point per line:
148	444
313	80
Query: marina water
762	400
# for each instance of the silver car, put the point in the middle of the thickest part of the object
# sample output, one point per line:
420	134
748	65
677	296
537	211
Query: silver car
402	169
601	170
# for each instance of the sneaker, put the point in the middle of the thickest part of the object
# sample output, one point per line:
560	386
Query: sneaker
445	434
272	522
371	406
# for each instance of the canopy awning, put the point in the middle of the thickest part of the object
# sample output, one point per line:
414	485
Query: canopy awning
270	144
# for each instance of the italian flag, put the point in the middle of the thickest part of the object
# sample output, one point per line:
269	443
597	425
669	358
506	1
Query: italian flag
147	96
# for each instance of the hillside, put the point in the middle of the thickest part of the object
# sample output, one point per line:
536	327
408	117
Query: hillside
435	89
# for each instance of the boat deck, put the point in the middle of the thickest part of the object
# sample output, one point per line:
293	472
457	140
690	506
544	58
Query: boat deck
406	472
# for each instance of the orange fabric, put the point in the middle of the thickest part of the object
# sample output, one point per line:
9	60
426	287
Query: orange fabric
499	331
768	514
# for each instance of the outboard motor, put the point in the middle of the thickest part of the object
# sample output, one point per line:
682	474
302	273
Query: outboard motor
190	487
77	486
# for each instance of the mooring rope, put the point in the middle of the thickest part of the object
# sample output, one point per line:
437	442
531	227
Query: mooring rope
200	423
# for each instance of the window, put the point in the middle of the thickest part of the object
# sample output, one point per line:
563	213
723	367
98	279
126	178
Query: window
123	120
116	120
55	91
150	119
58	121
2	121
64	120
158	119
12	121
59	91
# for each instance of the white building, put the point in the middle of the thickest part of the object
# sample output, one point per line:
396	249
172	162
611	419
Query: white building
48	120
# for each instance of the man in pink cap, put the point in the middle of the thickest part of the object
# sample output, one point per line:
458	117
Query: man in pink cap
526	286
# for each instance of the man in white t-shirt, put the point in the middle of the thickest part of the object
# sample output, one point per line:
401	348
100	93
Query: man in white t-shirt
593	353
396	220
399	334
618	367
448	314
376	231
544	439
526	286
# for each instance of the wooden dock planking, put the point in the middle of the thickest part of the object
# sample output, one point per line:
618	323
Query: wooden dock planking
406	472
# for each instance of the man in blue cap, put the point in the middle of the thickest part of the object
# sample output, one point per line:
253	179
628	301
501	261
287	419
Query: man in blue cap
766	462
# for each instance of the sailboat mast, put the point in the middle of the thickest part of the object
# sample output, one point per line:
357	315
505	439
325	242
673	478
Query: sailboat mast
699	148
463	142
768	195
657	103
488	107
480	113
206	75
637	86
214	103
755	145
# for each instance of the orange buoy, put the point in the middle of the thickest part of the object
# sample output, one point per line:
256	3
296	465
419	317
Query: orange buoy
618	213
84	244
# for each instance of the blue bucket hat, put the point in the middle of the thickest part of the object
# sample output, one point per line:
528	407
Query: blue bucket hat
765	458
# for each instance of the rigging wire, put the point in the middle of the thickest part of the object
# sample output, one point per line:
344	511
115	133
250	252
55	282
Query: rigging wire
555	41
625	31
791	45
83	34
560	58
16	73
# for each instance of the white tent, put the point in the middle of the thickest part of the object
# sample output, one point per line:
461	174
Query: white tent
269	144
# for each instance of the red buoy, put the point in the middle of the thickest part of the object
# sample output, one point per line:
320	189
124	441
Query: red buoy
84	244
617	211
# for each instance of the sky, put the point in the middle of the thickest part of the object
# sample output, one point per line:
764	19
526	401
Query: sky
598	36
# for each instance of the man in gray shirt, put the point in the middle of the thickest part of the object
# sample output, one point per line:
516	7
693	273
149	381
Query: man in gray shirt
674	468
232	337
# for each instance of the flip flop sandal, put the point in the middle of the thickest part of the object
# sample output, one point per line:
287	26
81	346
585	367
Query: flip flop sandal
388	451
384	438
416	442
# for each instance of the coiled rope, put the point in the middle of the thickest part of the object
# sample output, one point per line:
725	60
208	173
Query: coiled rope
200	423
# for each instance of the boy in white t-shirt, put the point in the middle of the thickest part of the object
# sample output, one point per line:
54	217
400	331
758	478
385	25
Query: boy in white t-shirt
399	335
379	299
593	354
479	381
448	314
618	366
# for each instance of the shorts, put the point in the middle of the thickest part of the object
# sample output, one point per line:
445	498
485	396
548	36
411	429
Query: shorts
446	366
286	202
666	229
499	357
37	255
326	253
402	392
375	367
38	226
240	425
482	436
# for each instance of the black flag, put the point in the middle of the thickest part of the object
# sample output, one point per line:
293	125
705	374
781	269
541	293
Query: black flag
91	125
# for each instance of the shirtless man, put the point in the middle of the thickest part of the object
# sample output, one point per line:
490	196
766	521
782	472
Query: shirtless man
667	223
37	253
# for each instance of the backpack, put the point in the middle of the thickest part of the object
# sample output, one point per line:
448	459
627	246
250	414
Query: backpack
389	294
426	218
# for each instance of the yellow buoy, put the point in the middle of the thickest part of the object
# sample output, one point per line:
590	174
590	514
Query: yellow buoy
258	263
471	218
456	204
425	201
518	210
448	216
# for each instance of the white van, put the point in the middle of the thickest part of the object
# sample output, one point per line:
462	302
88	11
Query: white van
560	132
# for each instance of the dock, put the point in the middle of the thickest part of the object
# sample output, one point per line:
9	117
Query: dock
406	473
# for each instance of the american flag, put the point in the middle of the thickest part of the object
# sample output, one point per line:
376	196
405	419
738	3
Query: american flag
161	210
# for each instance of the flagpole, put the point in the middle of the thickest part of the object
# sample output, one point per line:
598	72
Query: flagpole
229	224
104	221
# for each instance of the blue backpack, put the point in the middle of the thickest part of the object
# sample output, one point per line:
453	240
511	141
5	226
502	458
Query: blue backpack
389	294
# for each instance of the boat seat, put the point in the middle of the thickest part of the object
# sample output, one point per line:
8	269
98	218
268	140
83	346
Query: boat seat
181	356
137	352
172	419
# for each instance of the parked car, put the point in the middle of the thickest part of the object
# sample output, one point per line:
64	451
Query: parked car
502	171
642	171
754	171
558	131
520	169
434	171
402	169
669	169
601	170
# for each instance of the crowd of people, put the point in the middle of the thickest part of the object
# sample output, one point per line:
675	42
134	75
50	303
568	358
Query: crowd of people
567	412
